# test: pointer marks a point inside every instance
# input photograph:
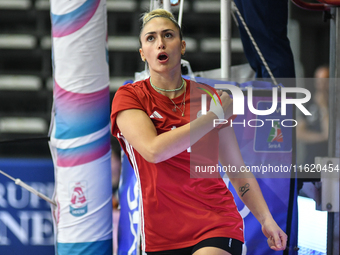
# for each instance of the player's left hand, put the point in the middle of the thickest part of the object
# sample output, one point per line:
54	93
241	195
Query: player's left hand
277	239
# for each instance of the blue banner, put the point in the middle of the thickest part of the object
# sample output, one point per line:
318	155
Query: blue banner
128	228
266	143
26	225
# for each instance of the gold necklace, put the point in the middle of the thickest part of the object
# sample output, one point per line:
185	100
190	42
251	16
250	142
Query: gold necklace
182	104
168	90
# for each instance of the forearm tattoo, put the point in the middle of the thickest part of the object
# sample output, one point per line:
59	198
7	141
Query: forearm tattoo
244	189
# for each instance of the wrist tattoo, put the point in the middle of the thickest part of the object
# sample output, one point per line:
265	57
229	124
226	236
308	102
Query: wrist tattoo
244	189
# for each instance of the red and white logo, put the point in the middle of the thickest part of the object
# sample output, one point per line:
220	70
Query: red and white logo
78	197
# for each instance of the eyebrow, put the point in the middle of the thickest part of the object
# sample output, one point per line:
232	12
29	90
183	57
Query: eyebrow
164	31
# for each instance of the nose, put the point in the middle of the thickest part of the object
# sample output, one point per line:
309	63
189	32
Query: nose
161	45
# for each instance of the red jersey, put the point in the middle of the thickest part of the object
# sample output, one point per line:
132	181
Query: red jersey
176	210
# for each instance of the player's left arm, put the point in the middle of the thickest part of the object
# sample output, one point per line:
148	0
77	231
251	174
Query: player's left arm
248	189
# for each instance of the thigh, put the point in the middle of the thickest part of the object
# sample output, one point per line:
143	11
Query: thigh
218	246
211	251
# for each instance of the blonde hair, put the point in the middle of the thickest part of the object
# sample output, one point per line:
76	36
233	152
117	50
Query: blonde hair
160	13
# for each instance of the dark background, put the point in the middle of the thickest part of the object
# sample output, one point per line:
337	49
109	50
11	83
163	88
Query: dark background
311	49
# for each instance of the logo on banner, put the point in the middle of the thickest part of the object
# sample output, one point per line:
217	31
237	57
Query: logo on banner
78	201
275	133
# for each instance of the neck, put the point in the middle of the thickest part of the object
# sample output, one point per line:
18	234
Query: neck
169	82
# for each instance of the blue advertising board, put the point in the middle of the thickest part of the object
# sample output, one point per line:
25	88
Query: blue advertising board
26	225
128	229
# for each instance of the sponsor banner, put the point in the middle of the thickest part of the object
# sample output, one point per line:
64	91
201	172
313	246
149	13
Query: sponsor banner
26	225
266	145
266	141
128	229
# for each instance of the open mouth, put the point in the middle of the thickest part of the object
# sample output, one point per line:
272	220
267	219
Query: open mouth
162	57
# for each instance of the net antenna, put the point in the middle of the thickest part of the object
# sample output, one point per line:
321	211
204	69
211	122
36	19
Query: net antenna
29	188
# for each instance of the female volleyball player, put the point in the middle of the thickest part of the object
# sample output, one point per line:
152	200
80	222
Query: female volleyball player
151	119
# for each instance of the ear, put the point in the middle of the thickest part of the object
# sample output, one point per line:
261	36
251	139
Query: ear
141	54
183	47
